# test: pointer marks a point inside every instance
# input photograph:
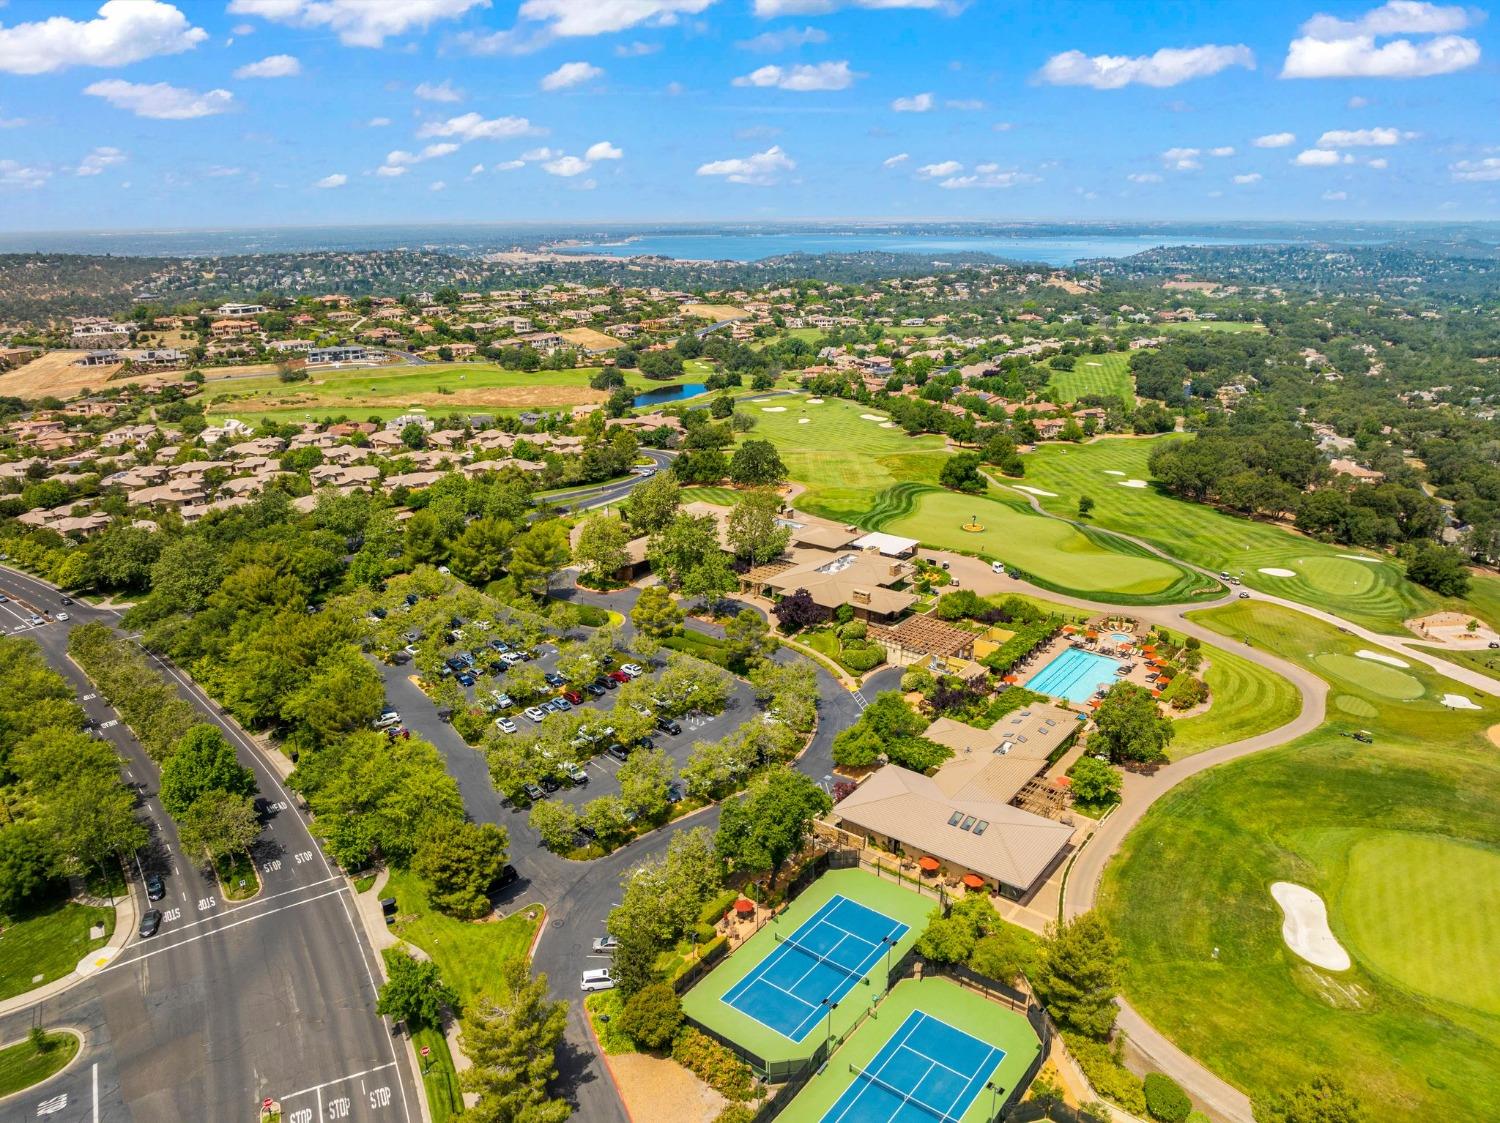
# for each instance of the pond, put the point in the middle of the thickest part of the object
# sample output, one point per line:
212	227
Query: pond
662	395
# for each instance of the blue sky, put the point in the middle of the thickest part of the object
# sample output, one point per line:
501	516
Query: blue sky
149	114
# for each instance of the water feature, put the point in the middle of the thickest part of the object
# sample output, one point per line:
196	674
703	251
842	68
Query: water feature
1075	674
664	395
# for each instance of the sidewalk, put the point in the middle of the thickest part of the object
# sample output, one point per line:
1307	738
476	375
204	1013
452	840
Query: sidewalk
127	918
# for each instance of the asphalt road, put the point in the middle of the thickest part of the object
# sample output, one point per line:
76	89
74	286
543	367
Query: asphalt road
228	1003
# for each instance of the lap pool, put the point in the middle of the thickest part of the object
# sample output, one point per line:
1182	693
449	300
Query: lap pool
1075	675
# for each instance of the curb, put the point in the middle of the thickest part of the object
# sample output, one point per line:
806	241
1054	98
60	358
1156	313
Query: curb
30	1089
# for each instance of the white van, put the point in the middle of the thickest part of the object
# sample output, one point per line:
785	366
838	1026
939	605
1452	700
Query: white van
597	980
998	567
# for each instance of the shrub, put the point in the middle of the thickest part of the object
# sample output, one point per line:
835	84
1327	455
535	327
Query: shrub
854	630
1111	1079
591	615
735	1113
861	658
715	1065
1197	1117
652	1016
1165	1099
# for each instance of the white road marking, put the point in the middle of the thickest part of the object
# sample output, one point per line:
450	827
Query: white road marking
96	1094
336	1080
52	1106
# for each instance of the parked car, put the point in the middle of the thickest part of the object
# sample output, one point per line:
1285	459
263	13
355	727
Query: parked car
64	617
605	945
508	876
1244	596
503	699
675	791
997	567
387	719
156	888
573	697
533	792
552	678
641	708
510	658
618	751
551	706
593	690
574	773
617	676
597	980
151	921
562	703
635	670
607	682
505	725
411	600
667	725
535	714
378	612
549	785
465	678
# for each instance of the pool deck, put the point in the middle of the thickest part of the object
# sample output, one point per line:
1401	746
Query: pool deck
1040	658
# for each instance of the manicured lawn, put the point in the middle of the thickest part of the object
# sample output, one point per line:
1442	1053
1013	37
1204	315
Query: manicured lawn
49	943
723	496
1245	699
1194	327
1102	376
1485	661
231	873
469	953
439	1077
1372	592
964	1010
23	1064
1401	838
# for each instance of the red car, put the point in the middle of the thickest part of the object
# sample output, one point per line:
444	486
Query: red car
619	676
574	697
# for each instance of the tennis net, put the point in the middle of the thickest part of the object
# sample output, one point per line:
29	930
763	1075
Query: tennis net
805	950
905	1097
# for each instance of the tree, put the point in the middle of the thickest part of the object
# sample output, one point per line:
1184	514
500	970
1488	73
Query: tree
656	613
123	557
91	820
761	830
1080	975
203	762
1166	1102
661	899
752	530
653	503
798	610
601	551
748	638
1323	1099
538	555
645	777
218	825
961	473
1085	506
461	860
757	463
1438	568
414	991
478	555
1094	782
682	545
652	1016
28	865
710	579
556	823
513	1044
413	436
1131	727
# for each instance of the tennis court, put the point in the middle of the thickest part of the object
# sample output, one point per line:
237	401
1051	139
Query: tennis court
815	966
927	1070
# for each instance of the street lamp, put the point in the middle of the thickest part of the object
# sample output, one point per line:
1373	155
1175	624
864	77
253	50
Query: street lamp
994	1092
832	1006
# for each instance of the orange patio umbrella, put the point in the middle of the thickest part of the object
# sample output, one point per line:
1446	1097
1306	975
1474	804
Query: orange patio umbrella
973	881
744	906
929	865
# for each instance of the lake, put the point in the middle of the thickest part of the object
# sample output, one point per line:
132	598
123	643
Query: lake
662	395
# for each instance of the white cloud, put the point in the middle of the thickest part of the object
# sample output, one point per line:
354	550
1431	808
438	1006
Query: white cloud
761	169
437	185
965	104
636	49
509	165
243	29
99	159
357	23
571	74
1477	171
1363	138
1380	163
390	171
1357	102
337	179
378	122
917	103
1144	177
802	77
544	21
123	31
603	150
476	169
471	126
894	161
398	160
566	166
988	176
1329	47
1275	140
769	9
1167	67
1317	158
273	66
939	171
531	156
1222	150
784	40
1335	196
1002	126
161	101
13	173
1182	159
1248	177
219	171
442	91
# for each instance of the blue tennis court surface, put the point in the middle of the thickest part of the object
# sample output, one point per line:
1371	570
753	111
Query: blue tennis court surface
927	1070
819	963
1075	674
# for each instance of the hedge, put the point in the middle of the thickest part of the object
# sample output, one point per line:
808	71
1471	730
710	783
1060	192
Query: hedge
1165	1099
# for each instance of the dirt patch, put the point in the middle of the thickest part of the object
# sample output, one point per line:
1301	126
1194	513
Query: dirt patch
648	1083
590	339
55	374
505	397
1493	732
715	312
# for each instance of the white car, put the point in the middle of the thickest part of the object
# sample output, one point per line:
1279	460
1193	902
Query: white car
33	619
63	616
505	725
387	719
597	980
536	714
635	670
644	711
510	658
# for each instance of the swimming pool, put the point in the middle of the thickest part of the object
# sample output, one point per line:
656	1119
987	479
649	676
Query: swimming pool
1120	637
1074	675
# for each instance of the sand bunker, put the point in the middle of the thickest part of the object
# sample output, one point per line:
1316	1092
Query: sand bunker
871	417
1035	491
889	425
1389	660
814	401
1131	483
1305	927
1277	571
1359	557
804	421
1113	472
1459	702
1093	364
773	409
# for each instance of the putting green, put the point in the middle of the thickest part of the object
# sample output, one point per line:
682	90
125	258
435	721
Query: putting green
1424	910
1354	707
1385	681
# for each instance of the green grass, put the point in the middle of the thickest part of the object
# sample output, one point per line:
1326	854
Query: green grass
1484	661
24	1065
704	1001
439	1077
608	1004
468	953
1102	376
1194	327
723	496
234	870
48	942
963	1009
1373	592
1401	838
1245	699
